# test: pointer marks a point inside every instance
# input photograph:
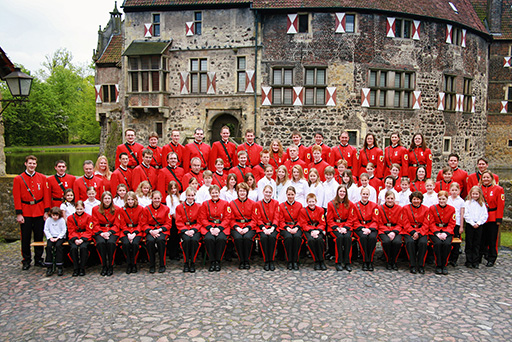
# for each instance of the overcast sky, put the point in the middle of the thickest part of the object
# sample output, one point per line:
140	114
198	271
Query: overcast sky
32	29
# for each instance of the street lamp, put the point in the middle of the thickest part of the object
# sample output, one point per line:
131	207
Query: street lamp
19	85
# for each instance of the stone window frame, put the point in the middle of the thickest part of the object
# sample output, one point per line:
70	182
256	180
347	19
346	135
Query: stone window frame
466	145
303	18
284	89
456	35
468	94
198	22
198	75
159	128
450	92
354	15
508	96
109	93
139	73
403	26
509	143
156	19
318	89
447	145
384	94
241	74
353	133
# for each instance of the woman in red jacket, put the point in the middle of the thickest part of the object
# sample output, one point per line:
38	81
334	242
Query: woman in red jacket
266	214
130	230
290	229
312	221
419	155
189	227
419	182
371	153
390	227
340	222
365	224
396	154
495	200
79	234
277	155
415	232
157	223
441	220
106	232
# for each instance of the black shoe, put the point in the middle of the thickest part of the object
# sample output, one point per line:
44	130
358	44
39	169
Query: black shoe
413	270
365	266
339	267
468	264
290	266
476	265
103	271
241	266
348	267
421	270
212	267
395	267
75	273
317	266
490	264
186	268
192	268
26	266
134	268
266	267
389	267
445	270
161	269
295	266
152	269
439	270
247	266
39	263
370	266
322	266
128	269
217	266
49	271
60	271
110	271
272	266
82	272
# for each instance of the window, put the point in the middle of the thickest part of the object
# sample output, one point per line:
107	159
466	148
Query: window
156	25
350	23
510	143
198	76
159	128
449	92
109	93
241	66
468	91
403	28
303	23
447	145
392	89
457	36
386	142
282	80
509	98
314	86
352	138
466	145
147	73
198	22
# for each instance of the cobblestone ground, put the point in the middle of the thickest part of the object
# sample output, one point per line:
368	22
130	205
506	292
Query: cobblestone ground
254	305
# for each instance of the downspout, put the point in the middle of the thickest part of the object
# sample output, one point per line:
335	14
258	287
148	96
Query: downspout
255	70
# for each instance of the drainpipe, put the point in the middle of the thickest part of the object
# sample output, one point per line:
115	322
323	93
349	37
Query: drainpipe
255	70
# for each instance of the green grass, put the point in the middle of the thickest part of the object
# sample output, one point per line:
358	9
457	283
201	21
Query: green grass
50	149
506	239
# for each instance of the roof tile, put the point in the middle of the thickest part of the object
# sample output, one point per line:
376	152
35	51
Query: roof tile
112	53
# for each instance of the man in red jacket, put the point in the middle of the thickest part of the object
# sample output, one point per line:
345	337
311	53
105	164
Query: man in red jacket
253	150
133	149
198	149
224	149
59	182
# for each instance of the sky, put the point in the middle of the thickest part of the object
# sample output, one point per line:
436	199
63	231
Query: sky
33	29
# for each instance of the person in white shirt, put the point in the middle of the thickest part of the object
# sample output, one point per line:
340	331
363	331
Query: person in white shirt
192	183
267	180
143	193
91	201
203	194
253	190
55	230
68	206
316	187
458	203
403	195
121	191
364	178
353	191
430	197
173	199
299	183
330	185
228	193
282	183
389	185
475	215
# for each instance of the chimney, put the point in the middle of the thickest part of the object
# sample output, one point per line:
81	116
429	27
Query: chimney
494	13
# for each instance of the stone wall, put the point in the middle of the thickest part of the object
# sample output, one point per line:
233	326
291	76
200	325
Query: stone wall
9	228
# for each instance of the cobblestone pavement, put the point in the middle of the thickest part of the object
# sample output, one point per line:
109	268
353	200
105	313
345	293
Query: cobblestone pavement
254	305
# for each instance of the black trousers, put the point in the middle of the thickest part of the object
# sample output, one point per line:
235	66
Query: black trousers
316	246
473	241
190	246
454	254
33	225
416	249
215	245
343	246
268	245
391	247
131	249
106	248
154	244
367	244
292	243
173	242
243	243
79	254
442	249
54	250
489	244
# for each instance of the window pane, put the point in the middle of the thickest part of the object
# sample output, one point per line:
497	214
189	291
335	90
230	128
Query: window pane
241	62
198	28
156	30
145	62
373	98
194	65
155	62
382	79
382	98
320	76
135	81
194	84
277	76
277	95
510	93
112	93
155	80
310	76
164	81
106	97
198	16
407	80
320	96
241	81
407	100
310	96
288	76
204	65
156	18
350	23
134	63
287	98
145	81
396	101
398	79
407	29
203	83
373	78
303	23
398	26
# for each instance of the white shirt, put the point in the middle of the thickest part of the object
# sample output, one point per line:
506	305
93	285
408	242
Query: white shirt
318	190
68	208
88	205
228	195
352	192
430	200
301	189
474	213
457	203
203	194
253	195
262	183
403	197
281	192
119	202
330	191
172	206
373	194
55	228
144	201
382	196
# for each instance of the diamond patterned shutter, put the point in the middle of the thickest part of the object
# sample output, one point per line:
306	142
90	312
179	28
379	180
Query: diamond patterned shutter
266	96
117	93
184	75
99	93
440	101
459	106
298	96
340	23
416	29
473	107
292	25
249	81
365	97
504	105
507	62
390	27
189	28
211	83
148	30
463	44
449	33
416	99
330	96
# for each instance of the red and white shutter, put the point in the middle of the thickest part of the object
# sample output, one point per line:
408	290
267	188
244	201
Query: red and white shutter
416	99
416	29
473	101
330	96
463	43
266	96
449	33
211	83
507	62
440	101
459	106
390	27
249	81
117	93
292	25
148	30
184	82
365	97
298	96
504	105
340	23
99	93
189	28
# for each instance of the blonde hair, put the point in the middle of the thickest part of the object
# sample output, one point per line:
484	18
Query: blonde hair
301	172
481	198
142	184
285	178
107	173
131	194
315	171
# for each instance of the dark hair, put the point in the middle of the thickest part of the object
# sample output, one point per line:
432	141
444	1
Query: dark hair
365	144
60	161
423	143
416	194
55	211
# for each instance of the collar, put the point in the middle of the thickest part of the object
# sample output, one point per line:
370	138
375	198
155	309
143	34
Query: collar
389	206
146	166
417	207
294	160
198	143
394	146
243	167
173	144
154	148
364	203
290	203
88	177
220	174
249	144
123	168
310	208
186	202
156	207
245	200
63	175
225	142
133	143
318	162
215	201
370	148
343	145
270	200
30	175
442	207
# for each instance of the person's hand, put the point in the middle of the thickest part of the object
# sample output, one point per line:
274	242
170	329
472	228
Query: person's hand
78	242
20	219
315	233
155	233
105	235
189	232
391	235
415	236
53	239
366	231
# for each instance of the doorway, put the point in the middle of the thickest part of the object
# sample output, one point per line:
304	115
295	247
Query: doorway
226	120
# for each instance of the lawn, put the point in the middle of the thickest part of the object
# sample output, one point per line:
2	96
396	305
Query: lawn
52	149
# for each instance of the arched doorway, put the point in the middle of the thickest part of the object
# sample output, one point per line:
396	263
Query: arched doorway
225	120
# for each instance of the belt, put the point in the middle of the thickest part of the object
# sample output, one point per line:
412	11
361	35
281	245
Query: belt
242	221
132	167
418	165
214	221
492	209
80	230
314	224
390	224
290	223
340	221
32	202
189	223
267	223
440	225
365	222
57	198
156	166
131	225
104	225
416	225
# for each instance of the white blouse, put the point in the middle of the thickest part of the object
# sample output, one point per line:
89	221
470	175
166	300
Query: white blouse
475	213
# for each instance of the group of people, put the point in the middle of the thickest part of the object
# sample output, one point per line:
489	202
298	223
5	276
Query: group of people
317	196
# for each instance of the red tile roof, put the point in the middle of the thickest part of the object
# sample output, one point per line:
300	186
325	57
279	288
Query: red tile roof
480	7
171	3
112	53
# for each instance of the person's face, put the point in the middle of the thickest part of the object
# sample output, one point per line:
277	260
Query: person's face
157	200
442	200
370	170
429	186
70	197
390	200
267	194
208	181
147	159
88	169
447	176
174	190
341	168
265	158
388	183
219	167
80	210
296	174
313	177
394	139
31	165
317	155
318	139
454	192
418	140
196	166
486	179
242	194
345	178
290	196
482	166
453	162
103	164
269	173
250	181
369	140
242	159
312	203
280	174
194	184
55	217
294	153
364	181
130	137
275	146
172	160
404	186
224	134
475	195
124	160
145	190
232	182
249	137
416	201
365	195
121	192
153	141
395	172
421	174
329	177
344	138
130	201
60	168
91	195
199	135
296	139
175	137
107	200
342	192
190	197
215	194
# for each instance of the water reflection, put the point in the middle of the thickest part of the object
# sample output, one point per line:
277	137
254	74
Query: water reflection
46	161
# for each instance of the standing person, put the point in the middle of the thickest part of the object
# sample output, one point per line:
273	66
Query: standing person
430	197
174	146
347	152
282	183
131	148
224	149
120	197
219	176
171	173
189	228
312	221
123	174
390	227
266	213
105	232
371	153
419	182
80	228
353	192
290	229
301	149
365	227
377	183
196	149
55	231
277	156
300	185
419	155
364	179
89	179
458	175
195	172
259	170
203	193
145	171
475	216
318	162
242	168
157	224
458	203
267	180
405	192
446	181
59	183
316	187
156	157
91	200
330	185
253	150
32	203
228	193
293	152
68	206
396	154
102	169
415	232
253	187
474	178
130	230
495	200
326	150
389	185
143	194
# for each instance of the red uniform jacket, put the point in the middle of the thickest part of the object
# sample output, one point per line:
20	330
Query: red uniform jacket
349	153
460	176
134	153
253	153
241	214
170	147
219	149
220	180
277	161
441	220
258	172
106	222
33	203
418	186
495	200
120	176
187	217
312	219
201	151
168	174
145	173
80	227
188	176
303	151
339	216
326	153
266	214
82	183
374	156
442	185
377	184
320	167
56	187
291	163
419	157
155	218
106	182
240	172
367	215
130	221
288	215
396	155
389	219
415	220
474	179
214	214
157	160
